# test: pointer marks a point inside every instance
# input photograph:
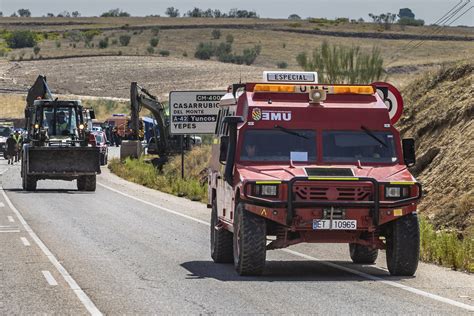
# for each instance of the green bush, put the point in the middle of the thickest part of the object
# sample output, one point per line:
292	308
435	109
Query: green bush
104	43
282	65
229	38
124	39
164	53
58	44
342	64
216	34
445	248
154	41
412	22
155	30
21	39
36	50
150	50
204	51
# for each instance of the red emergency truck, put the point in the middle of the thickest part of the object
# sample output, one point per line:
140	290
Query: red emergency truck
296	161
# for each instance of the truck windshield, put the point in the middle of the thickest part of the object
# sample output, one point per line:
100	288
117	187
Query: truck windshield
63	123
350	146
5	131
279	145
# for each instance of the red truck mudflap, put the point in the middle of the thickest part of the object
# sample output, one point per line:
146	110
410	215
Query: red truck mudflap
306	200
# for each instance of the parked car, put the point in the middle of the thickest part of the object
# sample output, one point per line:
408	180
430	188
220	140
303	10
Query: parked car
100	140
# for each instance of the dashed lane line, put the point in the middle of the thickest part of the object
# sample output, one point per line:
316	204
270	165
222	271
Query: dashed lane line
25	241
85	300
49	278
330	264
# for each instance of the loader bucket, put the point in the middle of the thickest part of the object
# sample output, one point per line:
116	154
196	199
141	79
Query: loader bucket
67	161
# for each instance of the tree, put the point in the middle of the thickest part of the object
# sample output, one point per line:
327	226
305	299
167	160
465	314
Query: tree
216	34
342	64
75	14
406	13
64	14
194	13
384	19
14	15
172	12
124	39
50	15
36	50
21	39
24	13
115	13
154	41
1	13
294	17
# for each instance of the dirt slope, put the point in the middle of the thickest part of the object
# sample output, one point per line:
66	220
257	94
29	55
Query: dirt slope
439	110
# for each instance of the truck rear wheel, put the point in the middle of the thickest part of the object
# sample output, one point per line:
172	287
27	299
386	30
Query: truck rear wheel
362	254
221	240
403	246
249	242
86	183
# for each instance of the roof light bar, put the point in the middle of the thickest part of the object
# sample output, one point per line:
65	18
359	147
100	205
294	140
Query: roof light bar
329	89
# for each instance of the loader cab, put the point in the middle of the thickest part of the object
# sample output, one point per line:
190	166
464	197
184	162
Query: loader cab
57	119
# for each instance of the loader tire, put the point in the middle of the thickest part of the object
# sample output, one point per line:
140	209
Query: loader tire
362	254
221	240
29	183
90	183
249	242
86	183
403	246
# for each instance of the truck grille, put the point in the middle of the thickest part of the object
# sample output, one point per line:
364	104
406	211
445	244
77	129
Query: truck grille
322	192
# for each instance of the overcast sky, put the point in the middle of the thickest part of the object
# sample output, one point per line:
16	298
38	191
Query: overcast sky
428	10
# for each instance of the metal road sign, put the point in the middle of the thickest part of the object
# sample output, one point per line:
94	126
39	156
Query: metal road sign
194	112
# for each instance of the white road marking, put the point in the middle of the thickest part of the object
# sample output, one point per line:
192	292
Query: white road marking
330	264
10	231
49	277
2	205
10	219
85	300
25	241
154	205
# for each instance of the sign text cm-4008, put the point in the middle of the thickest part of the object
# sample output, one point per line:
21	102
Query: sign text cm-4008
194	112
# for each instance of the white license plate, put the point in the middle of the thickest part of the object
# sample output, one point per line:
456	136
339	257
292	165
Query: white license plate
336	224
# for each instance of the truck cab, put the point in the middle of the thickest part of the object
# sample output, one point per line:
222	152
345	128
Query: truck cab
300	162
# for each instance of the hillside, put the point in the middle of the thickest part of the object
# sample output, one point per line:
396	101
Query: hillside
439	110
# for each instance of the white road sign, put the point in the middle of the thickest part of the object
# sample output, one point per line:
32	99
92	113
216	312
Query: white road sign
194	112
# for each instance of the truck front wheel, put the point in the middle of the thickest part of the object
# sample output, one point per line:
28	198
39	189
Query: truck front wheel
221	239
362	254
403	246
249	242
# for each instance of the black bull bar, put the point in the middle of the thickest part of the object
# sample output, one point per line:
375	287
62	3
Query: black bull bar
375	204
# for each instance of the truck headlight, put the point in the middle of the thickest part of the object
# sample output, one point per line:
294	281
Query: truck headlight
396	192
266	190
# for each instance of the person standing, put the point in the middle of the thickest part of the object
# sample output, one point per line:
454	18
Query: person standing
18	140
11	149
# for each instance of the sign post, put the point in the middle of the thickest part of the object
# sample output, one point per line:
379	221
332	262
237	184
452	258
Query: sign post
192	113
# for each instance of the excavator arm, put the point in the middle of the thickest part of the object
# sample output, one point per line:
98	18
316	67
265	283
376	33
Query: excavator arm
141	98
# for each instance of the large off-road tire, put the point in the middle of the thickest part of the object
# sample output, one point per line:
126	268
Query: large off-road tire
362	254
221	240
403	246
249	242
86	183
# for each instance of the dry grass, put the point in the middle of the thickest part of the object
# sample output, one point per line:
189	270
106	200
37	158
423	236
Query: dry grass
12	105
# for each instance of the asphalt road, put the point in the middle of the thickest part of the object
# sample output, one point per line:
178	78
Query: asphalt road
126	249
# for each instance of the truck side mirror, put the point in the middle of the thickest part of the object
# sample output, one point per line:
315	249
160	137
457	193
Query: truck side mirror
409	156
232	122
223	148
